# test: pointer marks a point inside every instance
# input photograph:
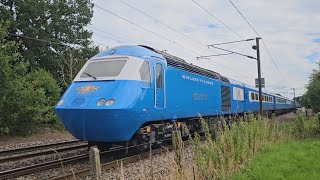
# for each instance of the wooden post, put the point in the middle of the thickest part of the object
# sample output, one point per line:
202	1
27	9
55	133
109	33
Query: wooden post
319	121
95	163
176	138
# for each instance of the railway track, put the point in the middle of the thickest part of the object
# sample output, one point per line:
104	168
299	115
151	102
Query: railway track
34	148
12	173
40	150
113	164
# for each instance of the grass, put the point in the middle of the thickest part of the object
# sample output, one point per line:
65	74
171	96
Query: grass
222	157
233	148
292	160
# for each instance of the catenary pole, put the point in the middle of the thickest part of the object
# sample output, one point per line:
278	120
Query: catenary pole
257	48
294	97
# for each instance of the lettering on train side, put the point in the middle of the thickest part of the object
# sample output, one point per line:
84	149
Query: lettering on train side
199	96
186	77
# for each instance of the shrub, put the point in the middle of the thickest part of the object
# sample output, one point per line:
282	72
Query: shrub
305	127
26	98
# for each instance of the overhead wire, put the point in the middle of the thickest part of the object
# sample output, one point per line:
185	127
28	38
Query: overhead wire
47	41
36	39
229	52
228	27
173	29
233	52
212	15
230	42
110	34
208	56
114	14
256	34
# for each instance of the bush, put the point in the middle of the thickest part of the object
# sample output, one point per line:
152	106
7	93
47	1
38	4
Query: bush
26	98
305	127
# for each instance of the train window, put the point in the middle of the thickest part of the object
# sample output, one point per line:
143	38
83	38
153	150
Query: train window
257	97
145	71
159	75
103	69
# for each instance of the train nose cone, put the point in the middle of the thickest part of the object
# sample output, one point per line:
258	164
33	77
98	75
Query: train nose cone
100	125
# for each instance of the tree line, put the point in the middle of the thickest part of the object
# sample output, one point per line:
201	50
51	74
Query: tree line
311	98
43	44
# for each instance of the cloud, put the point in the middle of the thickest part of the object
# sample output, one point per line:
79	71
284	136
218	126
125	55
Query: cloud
290	29
314	57
317	40
212	26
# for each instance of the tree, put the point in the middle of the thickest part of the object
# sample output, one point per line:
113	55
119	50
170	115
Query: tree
26	97
312	96
58	25
70	67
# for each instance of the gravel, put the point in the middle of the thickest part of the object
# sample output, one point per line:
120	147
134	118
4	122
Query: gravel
40	159
50	136
160	166
47	174
285	117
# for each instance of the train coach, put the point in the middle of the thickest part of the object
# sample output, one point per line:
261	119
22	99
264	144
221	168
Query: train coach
136	94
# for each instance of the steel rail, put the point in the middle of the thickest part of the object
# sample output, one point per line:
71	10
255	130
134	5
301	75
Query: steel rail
109	165
30	148
12	173
43	152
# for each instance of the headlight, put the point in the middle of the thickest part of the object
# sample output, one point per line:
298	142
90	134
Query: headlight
101	101
110	102
60	102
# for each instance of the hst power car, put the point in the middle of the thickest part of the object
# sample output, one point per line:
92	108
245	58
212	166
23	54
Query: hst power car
134	94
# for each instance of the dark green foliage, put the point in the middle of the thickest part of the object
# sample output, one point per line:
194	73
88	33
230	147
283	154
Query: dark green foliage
312	97
41	42
59	23
27	98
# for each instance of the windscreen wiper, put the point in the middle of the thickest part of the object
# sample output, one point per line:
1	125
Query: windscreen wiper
90	75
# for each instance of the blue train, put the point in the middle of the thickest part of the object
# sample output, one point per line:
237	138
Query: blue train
134	94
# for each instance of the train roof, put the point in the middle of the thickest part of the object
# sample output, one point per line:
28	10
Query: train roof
144	51
182	64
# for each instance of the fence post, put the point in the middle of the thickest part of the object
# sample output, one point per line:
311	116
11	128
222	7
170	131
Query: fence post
95	163
176	138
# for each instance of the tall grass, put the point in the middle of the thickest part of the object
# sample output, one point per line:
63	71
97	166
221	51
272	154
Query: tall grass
220	158
229	151
305	127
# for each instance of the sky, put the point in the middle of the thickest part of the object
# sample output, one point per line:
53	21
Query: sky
290	29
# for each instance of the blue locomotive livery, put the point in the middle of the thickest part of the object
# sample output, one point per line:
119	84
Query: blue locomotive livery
135	94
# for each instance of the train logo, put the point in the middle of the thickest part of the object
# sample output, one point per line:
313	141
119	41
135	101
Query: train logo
86	89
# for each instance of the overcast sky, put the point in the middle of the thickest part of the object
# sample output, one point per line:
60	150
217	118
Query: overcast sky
289	28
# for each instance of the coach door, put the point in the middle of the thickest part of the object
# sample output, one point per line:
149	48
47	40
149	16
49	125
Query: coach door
159	86
225	99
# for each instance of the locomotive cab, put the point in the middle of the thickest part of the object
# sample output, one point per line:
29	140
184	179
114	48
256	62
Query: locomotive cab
113	94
